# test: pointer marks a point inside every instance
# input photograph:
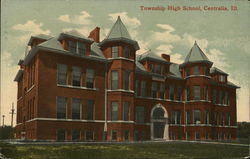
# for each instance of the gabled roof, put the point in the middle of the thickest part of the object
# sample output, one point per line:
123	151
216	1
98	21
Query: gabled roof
75	35
119	33
96	51
52	43
196	55
216	70
150	55
39	36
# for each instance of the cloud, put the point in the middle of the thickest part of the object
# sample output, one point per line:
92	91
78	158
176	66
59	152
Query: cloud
31	26
83	18
167	49
8	86
166	35
28	29
83	30
128	21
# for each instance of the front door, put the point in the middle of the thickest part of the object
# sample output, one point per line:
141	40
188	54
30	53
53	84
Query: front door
159	130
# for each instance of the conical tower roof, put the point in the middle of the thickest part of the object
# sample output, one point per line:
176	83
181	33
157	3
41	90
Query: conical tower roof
119	32
196	55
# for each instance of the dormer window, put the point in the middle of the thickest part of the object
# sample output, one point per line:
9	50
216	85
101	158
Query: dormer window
114	51
126	52
77	47
196	70
222	78
187	72
158	69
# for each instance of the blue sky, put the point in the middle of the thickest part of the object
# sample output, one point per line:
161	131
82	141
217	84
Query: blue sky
223	35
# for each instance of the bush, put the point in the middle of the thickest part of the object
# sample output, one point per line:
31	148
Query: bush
7	132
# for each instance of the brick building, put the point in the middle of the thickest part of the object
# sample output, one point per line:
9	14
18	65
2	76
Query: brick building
77	88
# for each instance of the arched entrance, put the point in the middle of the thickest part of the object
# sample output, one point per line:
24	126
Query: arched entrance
159	123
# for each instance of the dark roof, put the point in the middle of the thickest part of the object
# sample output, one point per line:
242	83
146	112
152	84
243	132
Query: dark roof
120	33
175	70
216	70
75	35
228	84
151	56
196	55
19	75
39	36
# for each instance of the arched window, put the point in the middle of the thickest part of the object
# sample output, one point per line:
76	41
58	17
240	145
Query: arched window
158	113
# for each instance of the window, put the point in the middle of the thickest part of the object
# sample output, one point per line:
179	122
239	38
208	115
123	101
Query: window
197	117
196	92
206	116
222	119
142	135
158	69
90	78
114	80
137	87
228	119
188	117
171	92
179	93
215	96
76	76
187	72
114	51
136	135
61	74
187	135
206	93
125	111
206	135
126	80
60	134
220	97
162	91
139	114
61	107
75	135
126	52
154	90
226	98
196	70
143	89
187	94
126	135
152	67
89	135
76	108
114	111
113	135
197	136
72	46
222	78
90	109
215	118
81	49
176	117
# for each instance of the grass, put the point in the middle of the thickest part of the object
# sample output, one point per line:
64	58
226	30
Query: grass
136	150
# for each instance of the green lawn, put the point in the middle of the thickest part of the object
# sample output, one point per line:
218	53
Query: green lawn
136	150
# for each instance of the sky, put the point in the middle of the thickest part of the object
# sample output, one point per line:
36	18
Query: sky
222	35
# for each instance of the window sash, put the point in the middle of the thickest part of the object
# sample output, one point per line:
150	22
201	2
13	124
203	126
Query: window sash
75	135
126	135
171	92
76	76
137	88
114	51
81	48
206	116
197	92
143	88
140	114
114	111
72	46
179	93
154	89
158	69
61	74
125	111
197	117
90	109
76	108
90	78
61	107
126	52
114	80
113	135
196	70
126	80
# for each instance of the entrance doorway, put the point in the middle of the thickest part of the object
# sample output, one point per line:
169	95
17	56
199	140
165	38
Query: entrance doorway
159	123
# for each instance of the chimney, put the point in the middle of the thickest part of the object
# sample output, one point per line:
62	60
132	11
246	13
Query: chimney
95	34
166	57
